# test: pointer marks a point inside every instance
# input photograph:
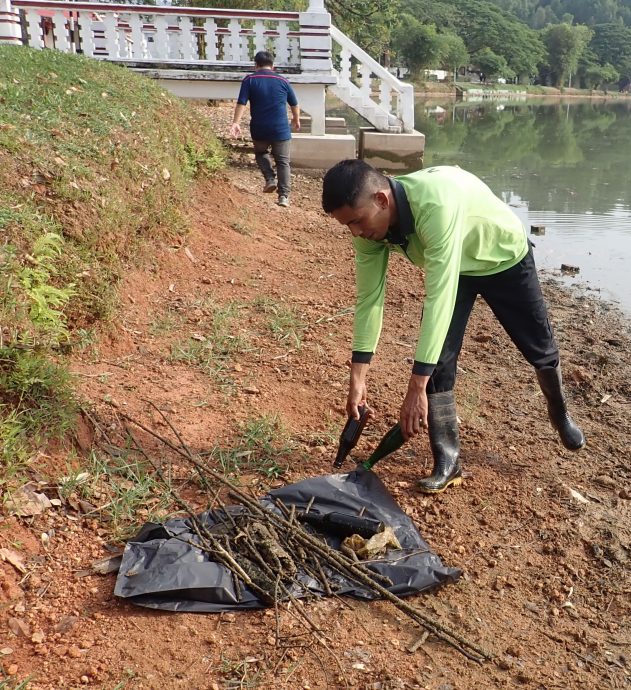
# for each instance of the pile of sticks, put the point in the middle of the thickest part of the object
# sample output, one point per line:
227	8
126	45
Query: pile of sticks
266	549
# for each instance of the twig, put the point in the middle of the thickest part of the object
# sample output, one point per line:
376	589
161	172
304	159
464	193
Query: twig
356	572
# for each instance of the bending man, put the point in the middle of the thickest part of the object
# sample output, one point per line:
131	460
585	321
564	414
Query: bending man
469	243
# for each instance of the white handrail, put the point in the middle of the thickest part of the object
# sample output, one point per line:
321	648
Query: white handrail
403	107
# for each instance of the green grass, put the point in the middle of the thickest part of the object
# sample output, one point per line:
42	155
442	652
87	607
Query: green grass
216	343
283	321
263	446
96	167
10	684
122	487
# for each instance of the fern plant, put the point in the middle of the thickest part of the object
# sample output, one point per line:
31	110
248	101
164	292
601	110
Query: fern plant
36	399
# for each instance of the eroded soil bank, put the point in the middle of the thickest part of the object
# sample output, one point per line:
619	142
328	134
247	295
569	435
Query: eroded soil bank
541	534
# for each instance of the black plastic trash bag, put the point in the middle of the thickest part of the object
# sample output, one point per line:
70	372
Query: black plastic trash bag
163	569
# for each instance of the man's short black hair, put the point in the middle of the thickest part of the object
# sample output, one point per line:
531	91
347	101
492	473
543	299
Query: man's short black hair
347	182
264	59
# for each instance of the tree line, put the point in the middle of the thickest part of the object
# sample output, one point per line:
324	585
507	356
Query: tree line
582	43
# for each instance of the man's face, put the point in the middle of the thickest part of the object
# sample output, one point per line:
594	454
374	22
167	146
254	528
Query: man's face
369	219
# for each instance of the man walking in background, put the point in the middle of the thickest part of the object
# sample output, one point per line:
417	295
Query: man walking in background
269	93
469	243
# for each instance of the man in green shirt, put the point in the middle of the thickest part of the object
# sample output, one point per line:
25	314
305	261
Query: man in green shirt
469	243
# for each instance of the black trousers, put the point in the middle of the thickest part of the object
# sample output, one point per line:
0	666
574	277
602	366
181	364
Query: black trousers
515	298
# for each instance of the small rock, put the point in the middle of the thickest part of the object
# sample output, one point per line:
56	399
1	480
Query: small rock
37	637
252	390
5	651
74	652
12	670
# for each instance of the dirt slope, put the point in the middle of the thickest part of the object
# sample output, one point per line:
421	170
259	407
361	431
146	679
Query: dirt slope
545	580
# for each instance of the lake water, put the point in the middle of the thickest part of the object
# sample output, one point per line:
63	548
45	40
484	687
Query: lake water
564	165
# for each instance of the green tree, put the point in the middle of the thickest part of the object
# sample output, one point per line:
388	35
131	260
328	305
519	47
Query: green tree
454	53
491	64
565	44
418	44
482	25
612	44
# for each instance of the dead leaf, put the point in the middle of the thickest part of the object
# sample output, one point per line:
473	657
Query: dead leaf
14	558
27	502
59	160
166	175
6	651
18	627
189	254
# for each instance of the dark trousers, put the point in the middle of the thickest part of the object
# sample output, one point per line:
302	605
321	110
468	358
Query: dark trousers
515	298
280	154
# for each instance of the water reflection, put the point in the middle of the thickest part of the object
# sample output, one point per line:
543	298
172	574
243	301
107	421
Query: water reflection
563	164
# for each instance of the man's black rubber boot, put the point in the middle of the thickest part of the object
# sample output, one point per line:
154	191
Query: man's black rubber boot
444	441
551	385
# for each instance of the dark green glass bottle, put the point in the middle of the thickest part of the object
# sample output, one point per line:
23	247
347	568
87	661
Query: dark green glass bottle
350	435
393	440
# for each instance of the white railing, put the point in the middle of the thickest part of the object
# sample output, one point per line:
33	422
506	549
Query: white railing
375	93
147	33
165	38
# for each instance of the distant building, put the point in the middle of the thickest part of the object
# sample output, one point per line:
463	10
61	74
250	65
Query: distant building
437	74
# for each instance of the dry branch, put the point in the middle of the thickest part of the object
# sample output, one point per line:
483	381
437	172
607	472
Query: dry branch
265	549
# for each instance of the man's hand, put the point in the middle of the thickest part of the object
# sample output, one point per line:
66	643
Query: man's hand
235	130
413	415
357	390
296	124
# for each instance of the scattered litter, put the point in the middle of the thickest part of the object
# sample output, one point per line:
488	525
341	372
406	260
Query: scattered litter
578	496
373	547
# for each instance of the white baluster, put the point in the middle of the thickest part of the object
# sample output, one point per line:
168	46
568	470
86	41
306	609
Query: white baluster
294	51
161	38
210	27
259	35
234	43
85	33
61	32
111	35
345	67
245	35
137	38
150	39
35	31
186	39
173	33
282	44
124	42
385	96
364	72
